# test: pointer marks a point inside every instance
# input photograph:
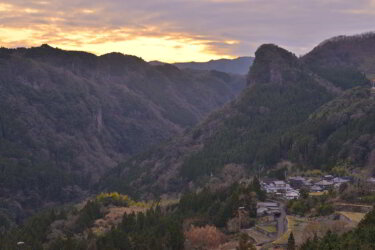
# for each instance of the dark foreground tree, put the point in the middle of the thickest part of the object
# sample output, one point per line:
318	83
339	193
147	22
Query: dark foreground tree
291	242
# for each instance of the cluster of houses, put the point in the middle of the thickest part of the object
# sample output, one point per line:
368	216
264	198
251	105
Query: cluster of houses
290	189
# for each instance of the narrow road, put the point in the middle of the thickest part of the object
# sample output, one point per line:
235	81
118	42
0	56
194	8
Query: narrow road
281	221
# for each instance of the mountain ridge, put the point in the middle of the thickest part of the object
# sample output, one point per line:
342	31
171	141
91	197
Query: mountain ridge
67	117
257	131
238	65
274	90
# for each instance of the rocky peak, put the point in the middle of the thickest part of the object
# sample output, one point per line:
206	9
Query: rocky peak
273	64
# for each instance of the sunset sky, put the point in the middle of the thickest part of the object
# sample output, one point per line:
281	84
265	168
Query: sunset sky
181	30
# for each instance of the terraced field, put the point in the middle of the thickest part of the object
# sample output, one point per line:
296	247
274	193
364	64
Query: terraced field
355	217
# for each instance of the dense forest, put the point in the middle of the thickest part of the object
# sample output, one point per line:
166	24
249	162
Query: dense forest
67	117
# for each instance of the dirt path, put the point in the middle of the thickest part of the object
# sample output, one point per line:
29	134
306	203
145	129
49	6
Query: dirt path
282	224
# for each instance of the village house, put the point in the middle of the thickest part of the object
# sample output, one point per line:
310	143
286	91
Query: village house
292	195
339	181
268	208
316	188
325	184
276	187
280	184
328	177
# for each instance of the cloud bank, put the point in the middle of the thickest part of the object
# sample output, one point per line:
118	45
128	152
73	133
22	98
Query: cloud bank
180	30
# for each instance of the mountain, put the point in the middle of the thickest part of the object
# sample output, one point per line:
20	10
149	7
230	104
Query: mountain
239	65
282	92
340	133
291	112
344	60
67	117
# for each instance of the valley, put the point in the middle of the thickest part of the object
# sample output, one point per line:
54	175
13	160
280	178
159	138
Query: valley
68	117
112	152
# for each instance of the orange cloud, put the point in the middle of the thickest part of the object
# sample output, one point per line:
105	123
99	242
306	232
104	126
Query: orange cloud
179	30
165	47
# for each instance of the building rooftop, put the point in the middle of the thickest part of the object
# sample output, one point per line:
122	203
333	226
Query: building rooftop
324	183
316	188
279	182
297	178
267	204
339	180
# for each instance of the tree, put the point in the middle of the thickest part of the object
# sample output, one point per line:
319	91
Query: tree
291	242
304	193
256	184
208	237
244	243
343	187
257	188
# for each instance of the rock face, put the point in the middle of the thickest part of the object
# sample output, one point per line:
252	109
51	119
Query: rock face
290	111
274	65
67	117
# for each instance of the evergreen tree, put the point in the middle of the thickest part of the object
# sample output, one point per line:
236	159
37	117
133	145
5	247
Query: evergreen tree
291	242
304	193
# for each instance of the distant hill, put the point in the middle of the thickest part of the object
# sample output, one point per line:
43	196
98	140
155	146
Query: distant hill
292	110
239	65
67	117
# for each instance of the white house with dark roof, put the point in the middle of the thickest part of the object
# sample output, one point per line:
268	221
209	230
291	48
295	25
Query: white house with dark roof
324	183
292	195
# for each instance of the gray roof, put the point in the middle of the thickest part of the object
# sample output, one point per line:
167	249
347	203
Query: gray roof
316	188
267	204
297	178
279	182
324	183
261	210
340	180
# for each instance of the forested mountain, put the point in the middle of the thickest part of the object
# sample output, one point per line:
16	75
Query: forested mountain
291	111
66	117
340	132
239	65
344	60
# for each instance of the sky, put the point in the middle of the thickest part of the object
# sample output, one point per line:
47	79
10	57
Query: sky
181	30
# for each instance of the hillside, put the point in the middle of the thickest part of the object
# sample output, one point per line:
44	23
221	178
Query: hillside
114	221
340	132
239	65
247	132
345	60
67	117
289	113
360	238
